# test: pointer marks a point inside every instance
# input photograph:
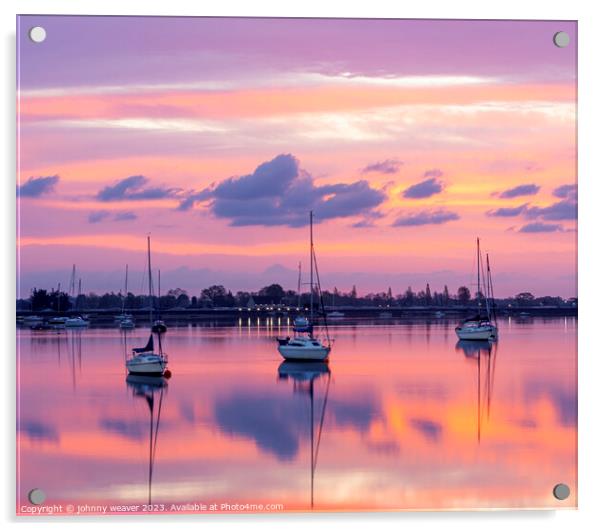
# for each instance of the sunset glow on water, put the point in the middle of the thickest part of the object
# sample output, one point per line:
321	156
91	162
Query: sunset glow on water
413	419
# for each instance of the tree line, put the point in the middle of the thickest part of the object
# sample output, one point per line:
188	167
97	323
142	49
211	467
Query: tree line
217	296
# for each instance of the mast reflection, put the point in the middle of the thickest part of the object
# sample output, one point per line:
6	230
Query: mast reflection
304	374
146	387
475	350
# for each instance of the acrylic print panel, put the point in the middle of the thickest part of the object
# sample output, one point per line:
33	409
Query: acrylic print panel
412	347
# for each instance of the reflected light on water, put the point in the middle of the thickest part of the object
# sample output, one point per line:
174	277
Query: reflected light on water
403	417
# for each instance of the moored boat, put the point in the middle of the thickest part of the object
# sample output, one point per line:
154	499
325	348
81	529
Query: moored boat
308	347
482	326
146	360
77	322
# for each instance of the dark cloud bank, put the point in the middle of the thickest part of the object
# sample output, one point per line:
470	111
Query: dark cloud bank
279	192
37	186
563	210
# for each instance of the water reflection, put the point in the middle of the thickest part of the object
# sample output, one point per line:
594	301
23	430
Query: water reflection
145	388
475	350
412	422
304	376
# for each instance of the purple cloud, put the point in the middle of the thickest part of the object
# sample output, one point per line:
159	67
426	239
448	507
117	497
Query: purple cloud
435	172
386	166
566	191
436	217
279	192
562	210
194	197
125	216
132	189
424	189
541	227
98	216
270	179
508	212
102	215
520	190
37	186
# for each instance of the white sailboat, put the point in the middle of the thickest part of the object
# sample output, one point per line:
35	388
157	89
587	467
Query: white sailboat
145	360
77	322
300	322
481	326
307	347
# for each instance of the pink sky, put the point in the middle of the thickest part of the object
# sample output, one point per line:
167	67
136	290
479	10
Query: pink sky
405	137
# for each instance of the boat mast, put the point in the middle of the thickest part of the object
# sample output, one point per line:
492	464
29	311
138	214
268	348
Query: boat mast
159	294
311	268
150	279
490	289
299	288
126	290
479	276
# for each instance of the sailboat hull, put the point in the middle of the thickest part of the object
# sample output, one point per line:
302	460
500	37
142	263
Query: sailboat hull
149	364
304	353
476	333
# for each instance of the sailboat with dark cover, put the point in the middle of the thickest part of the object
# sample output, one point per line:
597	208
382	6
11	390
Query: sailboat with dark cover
145	360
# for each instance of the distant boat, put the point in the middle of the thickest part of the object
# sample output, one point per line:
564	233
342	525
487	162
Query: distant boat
145	360
77	322
57	320
481	326
439	314
334	314
159	326
125	320
32	319
307	347
127	323
385	315
302	324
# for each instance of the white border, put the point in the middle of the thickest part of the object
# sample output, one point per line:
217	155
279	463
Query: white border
590	267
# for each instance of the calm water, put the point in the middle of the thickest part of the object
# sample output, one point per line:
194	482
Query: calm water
404	417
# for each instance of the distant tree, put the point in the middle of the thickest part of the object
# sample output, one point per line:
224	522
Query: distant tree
183	300
409	297
230	301
524	299
463	295
274	292
40	299
353	293
242	298
216	295
194	301
428	298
